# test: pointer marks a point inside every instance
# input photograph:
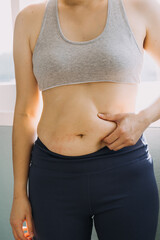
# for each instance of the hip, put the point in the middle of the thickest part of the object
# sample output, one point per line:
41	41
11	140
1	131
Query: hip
100	160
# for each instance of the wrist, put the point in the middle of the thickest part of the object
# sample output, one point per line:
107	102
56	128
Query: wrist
145	117
19	195
19	191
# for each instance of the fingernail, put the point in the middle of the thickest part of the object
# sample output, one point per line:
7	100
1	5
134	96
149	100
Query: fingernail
100	114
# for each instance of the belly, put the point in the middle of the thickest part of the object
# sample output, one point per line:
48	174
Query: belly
69	124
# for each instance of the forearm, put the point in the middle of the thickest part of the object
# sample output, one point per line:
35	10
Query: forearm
151	113
23	137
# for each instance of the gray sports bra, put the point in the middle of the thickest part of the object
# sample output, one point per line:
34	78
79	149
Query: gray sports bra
113	56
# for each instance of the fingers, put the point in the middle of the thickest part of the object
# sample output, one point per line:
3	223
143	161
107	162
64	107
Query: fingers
26	234
30	224
15	234
18	231
119	147
111	117
112	137
116	144
115	140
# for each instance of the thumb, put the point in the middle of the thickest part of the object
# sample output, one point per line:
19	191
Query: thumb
110	116
30	225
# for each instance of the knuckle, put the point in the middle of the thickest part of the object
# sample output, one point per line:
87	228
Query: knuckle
131	141
122	130
105	140
127	138
109	141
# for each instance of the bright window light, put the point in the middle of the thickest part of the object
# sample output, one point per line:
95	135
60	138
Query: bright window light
6	41
24	3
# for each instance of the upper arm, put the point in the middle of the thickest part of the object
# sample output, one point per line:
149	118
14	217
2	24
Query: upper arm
27	91
151	11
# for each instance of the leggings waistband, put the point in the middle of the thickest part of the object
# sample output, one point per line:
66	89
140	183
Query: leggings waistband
99	160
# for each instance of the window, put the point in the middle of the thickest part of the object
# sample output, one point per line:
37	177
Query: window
149	89
6	58
24	3
150	71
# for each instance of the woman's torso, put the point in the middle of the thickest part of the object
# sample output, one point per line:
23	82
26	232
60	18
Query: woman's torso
69	124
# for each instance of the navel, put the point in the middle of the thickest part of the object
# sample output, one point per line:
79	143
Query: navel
81	135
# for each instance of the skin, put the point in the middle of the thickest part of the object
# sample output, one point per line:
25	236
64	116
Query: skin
73	127
71	134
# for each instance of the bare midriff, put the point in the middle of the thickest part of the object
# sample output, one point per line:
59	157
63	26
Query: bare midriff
69	124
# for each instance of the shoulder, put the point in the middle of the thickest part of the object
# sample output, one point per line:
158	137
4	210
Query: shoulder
32	8
30	14
149	9
147	12
28	21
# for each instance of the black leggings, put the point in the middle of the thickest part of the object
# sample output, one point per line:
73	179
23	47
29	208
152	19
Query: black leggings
115	189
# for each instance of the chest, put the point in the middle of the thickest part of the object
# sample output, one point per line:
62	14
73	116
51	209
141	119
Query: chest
87	24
